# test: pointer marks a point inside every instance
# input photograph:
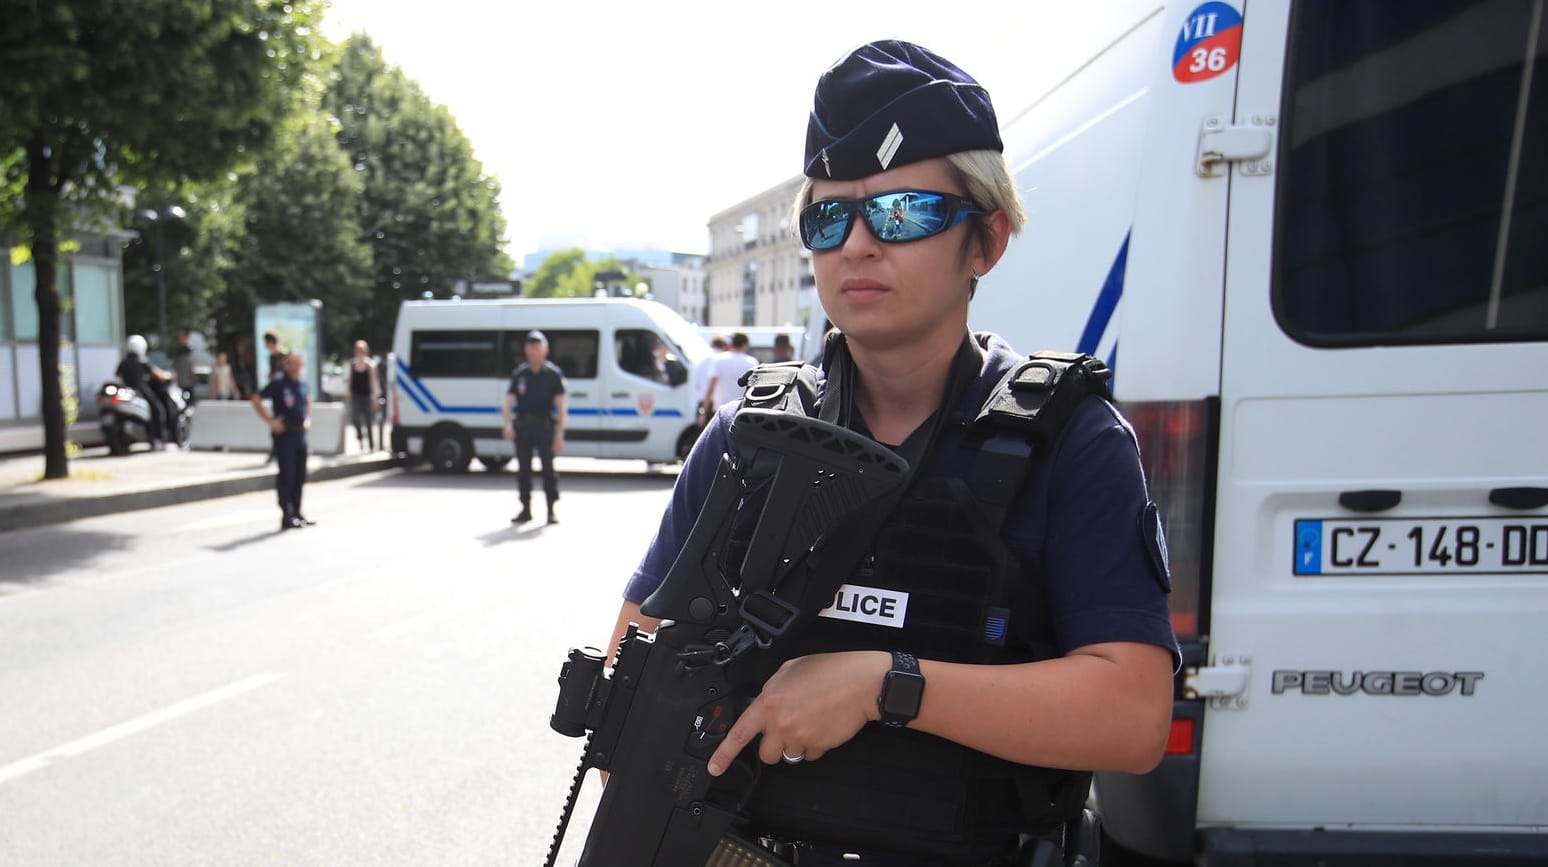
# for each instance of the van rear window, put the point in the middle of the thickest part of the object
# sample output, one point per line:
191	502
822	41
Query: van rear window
455	353
1413	173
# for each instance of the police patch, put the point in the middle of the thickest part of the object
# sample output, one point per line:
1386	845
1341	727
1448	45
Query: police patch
1154	538
877	606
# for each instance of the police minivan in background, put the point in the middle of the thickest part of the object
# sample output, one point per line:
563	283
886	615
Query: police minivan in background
453	362
1311	238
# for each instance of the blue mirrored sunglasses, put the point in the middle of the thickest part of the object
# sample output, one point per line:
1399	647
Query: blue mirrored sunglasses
893	218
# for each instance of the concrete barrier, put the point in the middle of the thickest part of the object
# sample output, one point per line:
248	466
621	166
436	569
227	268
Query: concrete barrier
232	425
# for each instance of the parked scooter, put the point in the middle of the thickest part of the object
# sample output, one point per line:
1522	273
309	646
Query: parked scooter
126	417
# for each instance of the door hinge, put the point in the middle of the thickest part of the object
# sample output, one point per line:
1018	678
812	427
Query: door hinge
1222	142
1223	684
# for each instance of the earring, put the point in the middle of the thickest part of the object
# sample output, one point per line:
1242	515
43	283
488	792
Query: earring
973	283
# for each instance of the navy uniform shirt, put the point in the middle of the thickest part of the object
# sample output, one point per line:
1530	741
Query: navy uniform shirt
1077	524
536	390
287	400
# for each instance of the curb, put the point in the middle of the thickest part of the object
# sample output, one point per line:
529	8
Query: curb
36	514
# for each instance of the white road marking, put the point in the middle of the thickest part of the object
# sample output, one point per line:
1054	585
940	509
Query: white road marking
134	726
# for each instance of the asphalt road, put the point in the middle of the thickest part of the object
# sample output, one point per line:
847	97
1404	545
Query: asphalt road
188	685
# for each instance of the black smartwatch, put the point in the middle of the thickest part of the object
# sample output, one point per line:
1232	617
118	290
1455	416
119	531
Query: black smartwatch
902	690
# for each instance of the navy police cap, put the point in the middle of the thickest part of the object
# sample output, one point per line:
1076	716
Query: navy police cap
890	103
536	336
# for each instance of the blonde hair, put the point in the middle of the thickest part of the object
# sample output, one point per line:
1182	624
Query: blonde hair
985	178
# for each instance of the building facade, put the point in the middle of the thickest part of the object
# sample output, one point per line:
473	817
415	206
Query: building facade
91	325
758	273
679	285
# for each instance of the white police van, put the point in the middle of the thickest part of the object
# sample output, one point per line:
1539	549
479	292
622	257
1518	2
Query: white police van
453	362
1312	240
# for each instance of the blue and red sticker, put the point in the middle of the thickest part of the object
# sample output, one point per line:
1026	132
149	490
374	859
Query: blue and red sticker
1209	45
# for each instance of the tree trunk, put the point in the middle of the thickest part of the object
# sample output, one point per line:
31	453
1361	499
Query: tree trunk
42	198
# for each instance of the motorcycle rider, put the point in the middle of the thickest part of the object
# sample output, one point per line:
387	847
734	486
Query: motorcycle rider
151	381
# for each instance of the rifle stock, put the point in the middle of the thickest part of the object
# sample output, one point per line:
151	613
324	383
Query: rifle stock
671	697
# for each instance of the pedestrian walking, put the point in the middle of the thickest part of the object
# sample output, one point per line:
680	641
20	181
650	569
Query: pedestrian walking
534	420
289	416
725	382
277	353
363	395
222	384
704	370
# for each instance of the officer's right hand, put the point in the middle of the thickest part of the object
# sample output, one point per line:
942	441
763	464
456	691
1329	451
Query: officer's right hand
510	431
809	706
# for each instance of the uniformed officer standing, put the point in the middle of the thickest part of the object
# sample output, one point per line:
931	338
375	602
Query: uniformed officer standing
289	416
534	420
1028	642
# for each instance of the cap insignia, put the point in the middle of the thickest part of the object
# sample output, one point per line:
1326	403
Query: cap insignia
889	146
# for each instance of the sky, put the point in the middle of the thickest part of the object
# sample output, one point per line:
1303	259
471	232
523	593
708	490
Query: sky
616	125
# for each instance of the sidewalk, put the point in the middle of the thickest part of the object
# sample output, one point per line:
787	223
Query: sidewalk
100	484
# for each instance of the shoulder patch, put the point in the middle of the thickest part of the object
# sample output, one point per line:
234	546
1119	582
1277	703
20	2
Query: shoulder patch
1154	539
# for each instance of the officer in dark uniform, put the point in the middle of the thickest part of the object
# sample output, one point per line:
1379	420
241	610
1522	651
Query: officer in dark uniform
993	647
288	415
534	420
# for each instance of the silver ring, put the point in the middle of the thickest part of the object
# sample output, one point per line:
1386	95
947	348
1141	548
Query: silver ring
792	760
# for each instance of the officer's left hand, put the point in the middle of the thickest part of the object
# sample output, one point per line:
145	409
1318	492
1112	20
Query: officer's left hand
558	443
811	705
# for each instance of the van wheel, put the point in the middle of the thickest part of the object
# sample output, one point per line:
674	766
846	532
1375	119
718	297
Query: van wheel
449	452
494	465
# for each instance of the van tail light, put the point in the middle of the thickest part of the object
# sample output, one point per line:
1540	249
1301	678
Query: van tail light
1179	741
394	401
1178	444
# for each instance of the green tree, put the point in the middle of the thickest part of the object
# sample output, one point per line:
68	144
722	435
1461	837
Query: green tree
429	213
197	255
301	237
100	95
553	277
569	274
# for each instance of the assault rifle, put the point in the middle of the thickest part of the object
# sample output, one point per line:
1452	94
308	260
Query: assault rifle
672	696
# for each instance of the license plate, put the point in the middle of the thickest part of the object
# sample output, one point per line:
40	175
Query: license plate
1421	546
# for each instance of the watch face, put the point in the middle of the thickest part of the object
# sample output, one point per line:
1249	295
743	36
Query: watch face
902	695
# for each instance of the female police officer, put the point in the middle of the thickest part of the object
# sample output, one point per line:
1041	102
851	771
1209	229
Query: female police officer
929	738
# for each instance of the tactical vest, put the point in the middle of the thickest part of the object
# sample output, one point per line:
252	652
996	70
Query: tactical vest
900	790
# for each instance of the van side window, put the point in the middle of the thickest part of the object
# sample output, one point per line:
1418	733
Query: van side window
1413	174
635	351
574	351
455	353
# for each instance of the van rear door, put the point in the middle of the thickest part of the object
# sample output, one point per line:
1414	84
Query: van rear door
1381	554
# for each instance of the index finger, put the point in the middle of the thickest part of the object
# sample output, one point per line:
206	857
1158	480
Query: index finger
748	726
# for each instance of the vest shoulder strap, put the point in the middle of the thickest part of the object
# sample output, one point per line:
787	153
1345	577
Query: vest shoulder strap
1026	412
786	386
1037	398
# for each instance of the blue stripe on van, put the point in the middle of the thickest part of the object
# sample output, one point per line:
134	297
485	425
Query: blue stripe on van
1106	303
407	384
481	410
425	400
